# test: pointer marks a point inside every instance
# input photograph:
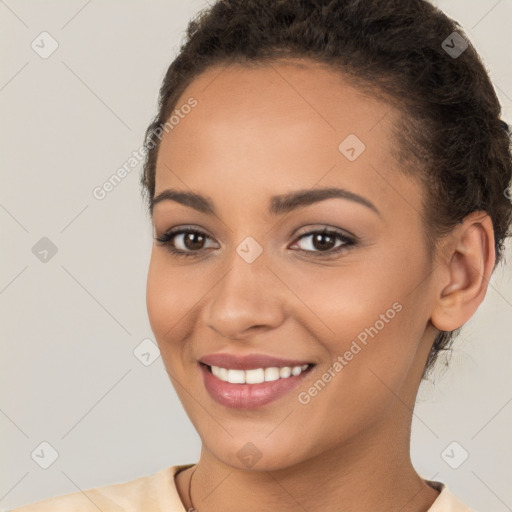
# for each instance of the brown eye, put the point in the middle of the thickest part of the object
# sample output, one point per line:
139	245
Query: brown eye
184	242
324	241
193	241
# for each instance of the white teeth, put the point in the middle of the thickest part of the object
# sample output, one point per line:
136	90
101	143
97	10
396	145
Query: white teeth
254	376
223	374
285	372
258	375
271	374
296	370
236	376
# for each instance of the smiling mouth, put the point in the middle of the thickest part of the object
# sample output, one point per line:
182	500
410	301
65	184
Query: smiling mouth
256	375
251	381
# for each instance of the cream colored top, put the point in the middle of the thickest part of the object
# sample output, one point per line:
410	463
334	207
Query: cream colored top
158	493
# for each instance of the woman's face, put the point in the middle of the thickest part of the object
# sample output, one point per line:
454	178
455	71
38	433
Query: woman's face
261	279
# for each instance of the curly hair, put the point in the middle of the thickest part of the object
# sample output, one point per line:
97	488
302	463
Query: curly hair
450	135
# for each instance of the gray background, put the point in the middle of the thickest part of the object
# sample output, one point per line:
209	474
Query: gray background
70	325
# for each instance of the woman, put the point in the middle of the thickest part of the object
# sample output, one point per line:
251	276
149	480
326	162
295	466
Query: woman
326	181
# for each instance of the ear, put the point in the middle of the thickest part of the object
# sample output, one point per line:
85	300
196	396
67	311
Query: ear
463	271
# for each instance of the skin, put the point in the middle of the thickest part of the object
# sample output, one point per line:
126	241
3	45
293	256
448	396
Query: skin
274	129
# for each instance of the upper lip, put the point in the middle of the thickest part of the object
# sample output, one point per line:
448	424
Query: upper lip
248	362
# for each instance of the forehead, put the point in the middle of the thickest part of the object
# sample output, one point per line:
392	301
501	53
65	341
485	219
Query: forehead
276	127
284	90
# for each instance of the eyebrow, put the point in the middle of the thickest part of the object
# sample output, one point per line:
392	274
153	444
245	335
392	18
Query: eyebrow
279	204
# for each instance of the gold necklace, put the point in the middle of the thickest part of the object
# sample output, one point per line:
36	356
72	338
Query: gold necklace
192	508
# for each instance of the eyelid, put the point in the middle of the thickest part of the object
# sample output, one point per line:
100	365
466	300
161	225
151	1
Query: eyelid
346	241
323	227
180	230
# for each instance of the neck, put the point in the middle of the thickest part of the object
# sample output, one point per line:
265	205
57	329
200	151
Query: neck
372	472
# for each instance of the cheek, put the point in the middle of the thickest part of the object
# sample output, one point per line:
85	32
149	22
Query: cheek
372	348
372	312
170	299
159	301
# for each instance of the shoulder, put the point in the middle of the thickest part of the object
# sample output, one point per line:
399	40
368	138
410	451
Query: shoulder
152	492
446	501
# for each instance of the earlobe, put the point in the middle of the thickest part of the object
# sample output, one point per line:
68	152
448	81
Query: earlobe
465	272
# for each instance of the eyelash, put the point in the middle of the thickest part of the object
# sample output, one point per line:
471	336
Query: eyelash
167	238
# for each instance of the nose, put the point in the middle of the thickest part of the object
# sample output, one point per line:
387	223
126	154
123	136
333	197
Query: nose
247	299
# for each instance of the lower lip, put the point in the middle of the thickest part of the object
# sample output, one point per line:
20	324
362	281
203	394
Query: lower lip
248	396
